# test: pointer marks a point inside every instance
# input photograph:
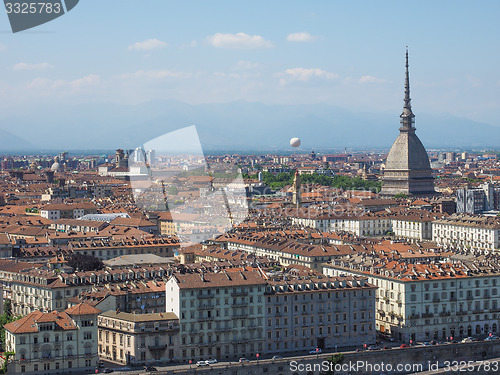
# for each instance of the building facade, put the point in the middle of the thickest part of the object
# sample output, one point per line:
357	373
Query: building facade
138	339
55	342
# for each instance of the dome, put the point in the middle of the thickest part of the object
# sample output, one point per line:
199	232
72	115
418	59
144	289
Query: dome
56	167
407	152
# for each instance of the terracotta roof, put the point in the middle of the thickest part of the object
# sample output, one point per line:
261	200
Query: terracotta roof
82	309
28	324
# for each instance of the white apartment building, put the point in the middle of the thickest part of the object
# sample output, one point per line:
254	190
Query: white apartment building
138	339
429	301
221	314
468	232
55	342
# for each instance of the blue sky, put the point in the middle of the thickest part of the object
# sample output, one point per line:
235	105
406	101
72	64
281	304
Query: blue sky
348	54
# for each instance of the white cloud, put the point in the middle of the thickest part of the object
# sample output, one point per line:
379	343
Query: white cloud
156	74
147	45
371	79
74	85
25	66
243	64
305	74
300	37
238	41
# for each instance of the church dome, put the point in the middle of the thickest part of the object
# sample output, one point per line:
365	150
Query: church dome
56	167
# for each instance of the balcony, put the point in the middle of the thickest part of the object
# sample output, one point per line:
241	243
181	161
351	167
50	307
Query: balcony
222	329
445	313
204	296
436	299
240	340
240	304
157	346
239	294
427	315
469	297
478	311
414	316
206	307
461	312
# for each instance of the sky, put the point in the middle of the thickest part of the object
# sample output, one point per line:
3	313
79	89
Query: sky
348	54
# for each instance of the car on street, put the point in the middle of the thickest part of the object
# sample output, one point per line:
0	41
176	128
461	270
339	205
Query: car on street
315	351
373	348
107	370
468	339
404	346
277	357
150	369
202	363
241	360
493	337
211	361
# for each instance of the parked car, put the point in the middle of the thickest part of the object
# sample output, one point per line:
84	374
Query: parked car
373	348
277	357
107	370
100	365
244	360
315	351
150	369
211	361
202	363
404	346
493	337
468	339
426	343
434	342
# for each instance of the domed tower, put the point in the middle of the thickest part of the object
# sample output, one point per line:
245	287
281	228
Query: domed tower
56	167
407	168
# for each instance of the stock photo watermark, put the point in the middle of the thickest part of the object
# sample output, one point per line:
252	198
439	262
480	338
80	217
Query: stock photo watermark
26	14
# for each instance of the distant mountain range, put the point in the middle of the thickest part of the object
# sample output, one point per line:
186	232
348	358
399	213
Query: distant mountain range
11	142
236	126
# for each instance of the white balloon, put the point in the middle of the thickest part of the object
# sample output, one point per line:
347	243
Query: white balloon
295	142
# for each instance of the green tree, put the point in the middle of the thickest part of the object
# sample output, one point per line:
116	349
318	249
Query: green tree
172	190
7	307
84	262
401	196
336	359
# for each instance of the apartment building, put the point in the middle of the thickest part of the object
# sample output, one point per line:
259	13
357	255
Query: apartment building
425	300
44	290
138	339
468	232
221	314
319	312
54	342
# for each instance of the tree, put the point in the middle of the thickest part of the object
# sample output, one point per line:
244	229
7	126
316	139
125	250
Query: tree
84	262
401	196
172	190
336	359
7	307
4	319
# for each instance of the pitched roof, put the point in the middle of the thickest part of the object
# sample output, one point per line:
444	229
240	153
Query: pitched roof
82	309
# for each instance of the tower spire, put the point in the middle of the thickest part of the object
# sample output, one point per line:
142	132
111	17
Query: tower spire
407	117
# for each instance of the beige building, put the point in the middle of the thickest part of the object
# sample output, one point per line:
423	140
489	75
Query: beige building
221	314
55	342
134	339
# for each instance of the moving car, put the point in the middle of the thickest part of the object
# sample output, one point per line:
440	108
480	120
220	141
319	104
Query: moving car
493	337
211	361
244	360
315	351
202	363
277	357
